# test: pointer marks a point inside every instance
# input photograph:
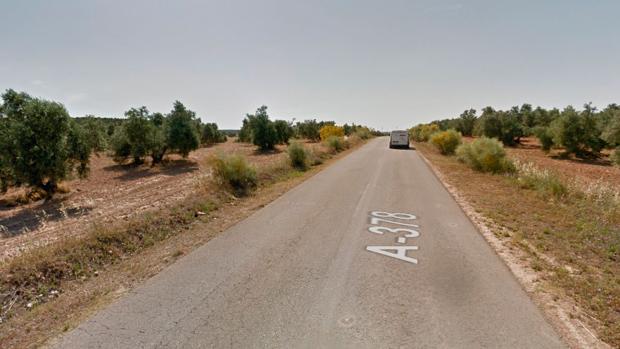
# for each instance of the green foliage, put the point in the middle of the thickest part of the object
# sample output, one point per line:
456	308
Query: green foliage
485	155
544	136
211	135
328	131
336	144
143	134
569	132
504	126
79	146
119	145
423	132
466	122
615	157
363	133
298	155
446	141
309	129
284	131
611	133
40	145
234	172
591	131
181	135
583	133
245	133
95	133
136	137
263	131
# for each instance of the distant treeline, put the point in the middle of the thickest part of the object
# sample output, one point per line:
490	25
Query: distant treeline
583	133
40	144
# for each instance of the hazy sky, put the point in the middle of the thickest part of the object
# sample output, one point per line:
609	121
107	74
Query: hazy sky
387	64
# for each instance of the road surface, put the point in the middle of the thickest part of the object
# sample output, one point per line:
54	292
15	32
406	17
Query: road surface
325	266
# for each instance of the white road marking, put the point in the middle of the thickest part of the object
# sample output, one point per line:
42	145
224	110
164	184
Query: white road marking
401	252
398	252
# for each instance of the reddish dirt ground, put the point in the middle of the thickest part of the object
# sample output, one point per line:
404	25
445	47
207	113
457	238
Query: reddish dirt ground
110	193
587	171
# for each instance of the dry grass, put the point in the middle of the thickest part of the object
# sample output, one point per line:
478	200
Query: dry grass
571	231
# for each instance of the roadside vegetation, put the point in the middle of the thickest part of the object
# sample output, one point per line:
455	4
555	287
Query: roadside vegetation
568	225
446	141
584	134
148	148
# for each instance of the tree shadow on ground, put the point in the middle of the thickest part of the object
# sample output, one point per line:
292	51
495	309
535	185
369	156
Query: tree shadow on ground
598	161
259	152
129	172
29	219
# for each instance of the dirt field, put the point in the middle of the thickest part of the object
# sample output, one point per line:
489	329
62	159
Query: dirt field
598	170
111	192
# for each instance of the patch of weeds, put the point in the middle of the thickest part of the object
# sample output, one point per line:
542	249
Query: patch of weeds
235	173
298	155
531	177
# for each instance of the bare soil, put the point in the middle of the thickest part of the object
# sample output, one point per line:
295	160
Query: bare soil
585	170
112	192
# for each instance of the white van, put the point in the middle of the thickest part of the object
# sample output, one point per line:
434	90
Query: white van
399	139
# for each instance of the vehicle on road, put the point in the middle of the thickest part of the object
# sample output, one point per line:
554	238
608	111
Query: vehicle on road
399	139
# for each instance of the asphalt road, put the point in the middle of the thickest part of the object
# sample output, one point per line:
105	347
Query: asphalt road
299	273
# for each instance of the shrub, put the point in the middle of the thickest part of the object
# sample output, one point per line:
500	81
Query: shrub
336	144
298	155
330	130
362	132
446	141
353	140
234	172
422	133
485	155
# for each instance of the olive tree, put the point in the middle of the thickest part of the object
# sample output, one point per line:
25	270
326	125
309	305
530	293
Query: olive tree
211	134
181	135
466	122
284	131
143	134
309	129
264	134
40	144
